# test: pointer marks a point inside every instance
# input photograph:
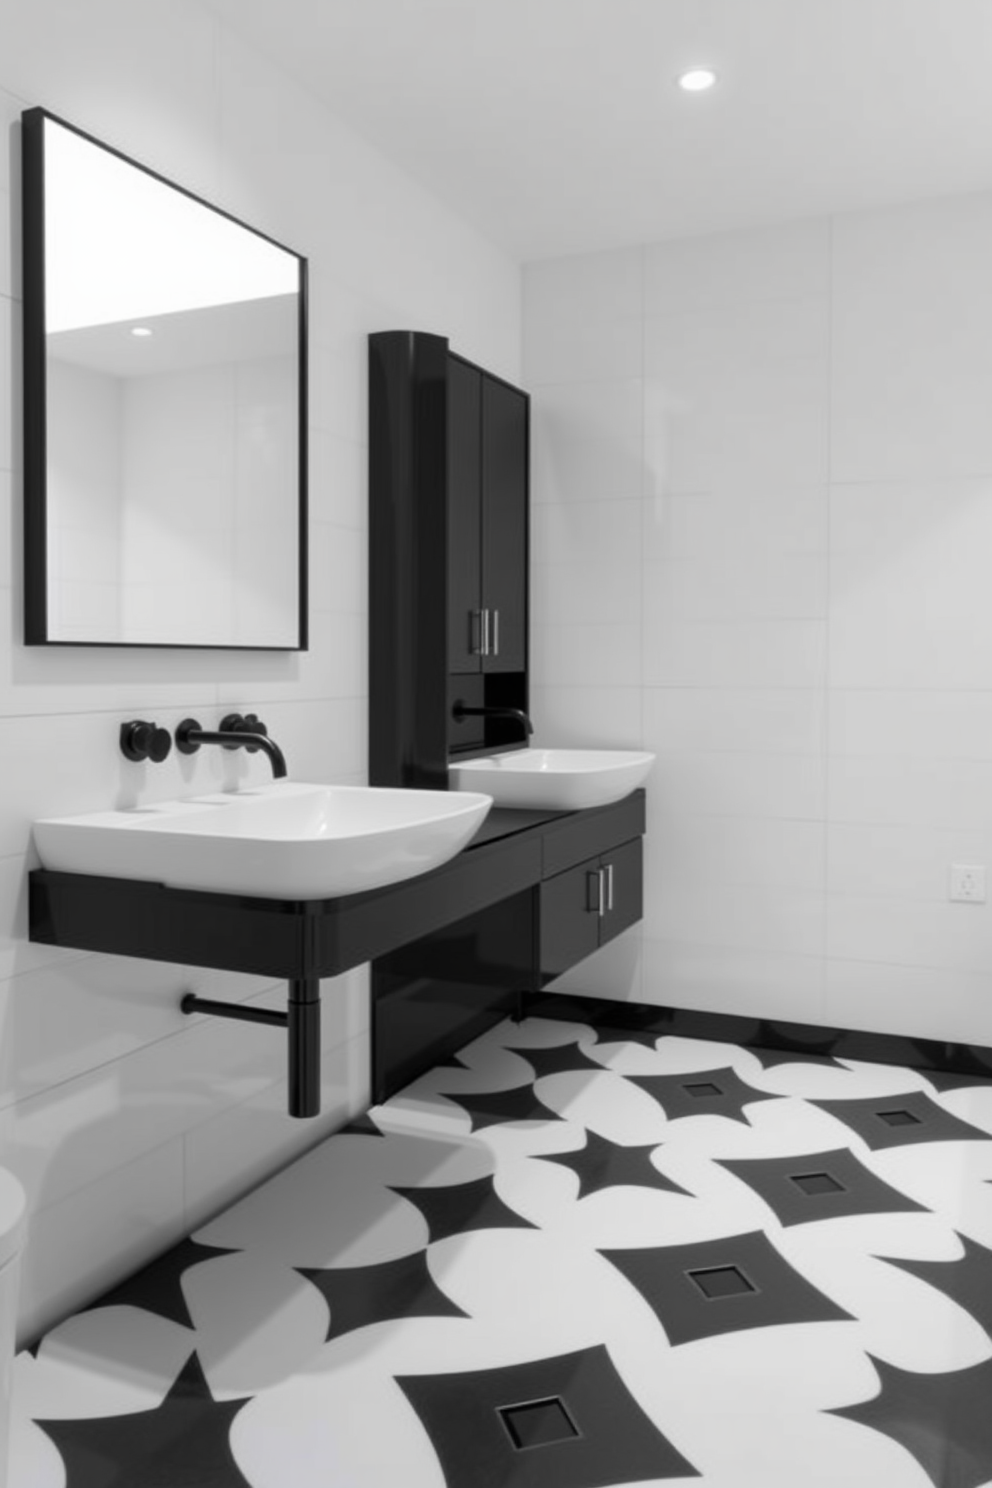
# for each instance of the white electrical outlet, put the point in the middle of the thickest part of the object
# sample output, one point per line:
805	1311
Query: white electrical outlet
968	883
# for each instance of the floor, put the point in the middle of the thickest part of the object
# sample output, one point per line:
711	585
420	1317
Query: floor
568	1258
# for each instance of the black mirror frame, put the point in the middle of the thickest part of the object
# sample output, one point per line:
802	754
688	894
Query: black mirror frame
35	453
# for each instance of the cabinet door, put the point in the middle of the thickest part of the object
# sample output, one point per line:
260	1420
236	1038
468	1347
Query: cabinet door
464	518
623	888
570	918
504	524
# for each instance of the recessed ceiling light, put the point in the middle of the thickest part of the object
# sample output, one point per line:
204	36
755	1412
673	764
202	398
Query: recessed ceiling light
697	80
141	331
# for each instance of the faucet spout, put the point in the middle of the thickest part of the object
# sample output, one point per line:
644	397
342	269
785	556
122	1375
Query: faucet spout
235	732
462	710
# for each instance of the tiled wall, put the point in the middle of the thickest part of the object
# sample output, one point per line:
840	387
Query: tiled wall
127	1121
762	544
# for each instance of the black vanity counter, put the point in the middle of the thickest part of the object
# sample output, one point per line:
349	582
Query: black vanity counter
511	852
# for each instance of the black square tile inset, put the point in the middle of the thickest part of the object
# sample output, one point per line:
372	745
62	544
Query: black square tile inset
538	1423
721	1281
465	1416
898	1118
820	1186
895	1120
712	1287
815	1184
706	1092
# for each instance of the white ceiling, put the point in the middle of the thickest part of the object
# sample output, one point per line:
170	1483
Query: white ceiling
555	125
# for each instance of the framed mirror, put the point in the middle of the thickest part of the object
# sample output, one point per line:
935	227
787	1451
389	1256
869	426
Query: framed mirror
164	410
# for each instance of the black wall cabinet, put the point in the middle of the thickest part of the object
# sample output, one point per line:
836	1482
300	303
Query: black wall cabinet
448	557
487	522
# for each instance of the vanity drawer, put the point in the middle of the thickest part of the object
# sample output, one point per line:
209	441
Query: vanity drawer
589	833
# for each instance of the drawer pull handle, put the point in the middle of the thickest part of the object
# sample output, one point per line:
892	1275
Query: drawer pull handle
609	886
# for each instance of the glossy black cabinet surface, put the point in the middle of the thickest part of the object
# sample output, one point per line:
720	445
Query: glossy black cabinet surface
448	558
487	522
589	905
464	434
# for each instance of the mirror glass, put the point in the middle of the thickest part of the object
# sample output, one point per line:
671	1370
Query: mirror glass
164	410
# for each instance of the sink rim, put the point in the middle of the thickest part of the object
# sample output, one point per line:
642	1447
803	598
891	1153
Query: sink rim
518	761
555	779
178	815
182	843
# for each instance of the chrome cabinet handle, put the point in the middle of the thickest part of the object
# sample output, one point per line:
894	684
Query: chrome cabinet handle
495	632
476	632
485	632
609	886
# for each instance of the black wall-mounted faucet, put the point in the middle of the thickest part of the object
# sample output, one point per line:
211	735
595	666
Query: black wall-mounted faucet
462	710
235	732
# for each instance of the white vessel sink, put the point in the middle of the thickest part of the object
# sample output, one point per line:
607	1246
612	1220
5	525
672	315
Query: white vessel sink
286	840
558	779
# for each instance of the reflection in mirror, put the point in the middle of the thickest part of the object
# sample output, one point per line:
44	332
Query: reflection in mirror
164	410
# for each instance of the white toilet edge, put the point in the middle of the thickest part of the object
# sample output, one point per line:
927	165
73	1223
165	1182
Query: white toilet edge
13	1211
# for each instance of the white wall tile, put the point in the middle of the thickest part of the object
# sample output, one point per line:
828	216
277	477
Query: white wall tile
334	667
739	518
691	344
784	261
61	1020
607	592
605	286
768	786
732	653
73	1133
910	932
911	724
563	532
6	360
765	422
247	1143
6	531
900	861
737	916
911	328
338	569
586	441
909	603
912	792
740	720
338	484
78	1248
948	1006
738	981
586	717
773	586
581	347
713	851
605	655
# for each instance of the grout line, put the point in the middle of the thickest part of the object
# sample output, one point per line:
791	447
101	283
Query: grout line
829	604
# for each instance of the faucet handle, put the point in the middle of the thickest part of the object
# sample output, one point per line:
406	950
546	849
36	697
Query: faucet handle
250	723
142	741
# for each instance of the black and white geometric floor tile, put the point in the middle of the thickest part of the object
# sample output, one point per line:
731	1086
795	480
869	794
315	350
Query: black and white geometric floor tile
566	1259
